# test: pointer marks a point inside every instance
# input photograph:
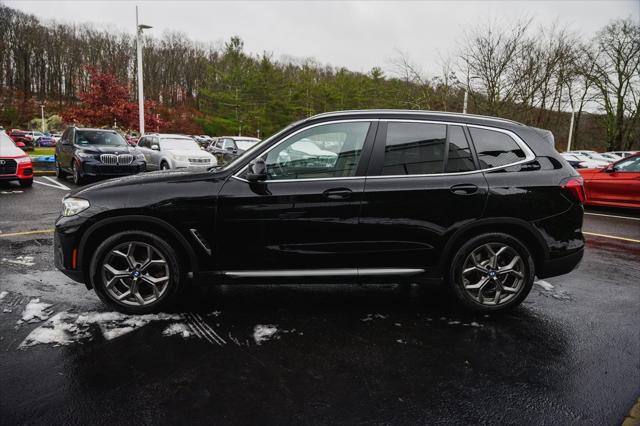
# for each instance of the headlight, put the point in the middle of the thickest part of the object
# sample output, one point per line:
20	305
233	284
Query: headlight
139	156
180	157
20	160
84	154
72	206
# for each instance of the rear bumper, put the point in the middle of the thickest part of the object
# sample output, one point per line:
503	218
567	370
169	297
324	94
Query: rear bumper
560	265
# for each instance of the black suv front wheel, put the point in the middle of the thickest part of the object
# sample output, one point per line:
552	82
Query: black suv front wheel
492	272
135	272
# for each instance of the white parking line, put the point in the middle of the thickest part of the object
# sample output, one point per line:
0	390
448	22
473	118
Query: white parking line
613	237
53	184
612	215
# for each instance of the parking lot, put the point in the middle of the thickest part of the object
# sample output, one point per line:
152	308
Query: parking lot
311	353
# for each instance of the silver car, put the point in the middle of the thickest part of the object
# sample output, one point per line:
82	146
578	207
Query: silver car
167	151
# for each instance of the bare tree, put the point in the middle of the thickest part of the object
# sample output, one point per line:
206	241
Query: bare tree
616	76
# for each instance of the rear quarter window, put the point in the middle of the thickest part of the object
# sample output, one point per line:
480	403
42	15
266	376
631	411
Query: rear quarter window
494	148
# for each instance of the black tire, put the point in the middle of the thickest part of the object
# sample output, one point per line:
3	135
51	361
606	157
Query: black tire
456	284
172	291
164	166
77	177
60	174
26	183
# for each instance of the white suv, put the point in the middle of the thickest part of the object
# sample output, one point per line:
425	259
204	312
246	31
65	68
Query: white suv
166	151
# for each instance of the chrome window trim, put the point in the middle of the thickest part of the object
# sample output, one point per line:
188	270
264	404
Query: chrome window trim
322	272
529	155
415	112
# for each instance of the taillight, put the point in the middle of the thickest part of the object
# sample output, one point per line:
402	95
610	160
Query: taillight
575	187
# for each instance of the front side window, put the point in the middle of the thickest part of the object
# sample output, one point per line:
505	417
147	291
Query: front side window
495	149
630	165
414	148
228	143
325	151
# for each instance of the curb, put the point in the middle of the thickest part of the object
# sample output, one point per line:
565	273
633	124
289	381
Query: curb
633	418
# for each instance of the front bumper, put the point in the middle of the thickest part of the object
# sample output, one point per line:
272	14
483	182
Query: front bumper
65	256
95	168
23	171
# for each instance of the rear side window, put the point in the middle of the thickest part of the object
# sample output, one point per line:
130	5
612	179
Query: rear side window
459	158
414	148
495	149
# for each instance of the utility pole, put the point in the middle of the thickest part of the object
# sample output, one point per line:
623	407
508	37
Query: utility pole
570	131
464	105
42	115
139	29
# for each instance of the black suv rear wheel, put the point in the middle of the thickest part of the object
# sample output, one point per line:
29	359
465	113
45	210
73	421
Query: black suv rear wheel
492	272
135	272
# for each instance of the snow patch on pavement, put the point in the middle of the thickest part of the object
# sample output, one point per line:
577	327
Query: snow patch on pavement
177	328
20	260
66	327
262	333
36	311
545	285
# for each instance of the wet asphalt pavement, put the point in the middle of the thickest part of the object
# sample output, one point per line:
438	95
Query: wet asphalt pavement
318	354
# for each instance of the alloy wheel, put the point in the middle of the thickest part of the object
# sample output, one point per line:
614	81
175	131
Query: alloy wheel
135	273
493	274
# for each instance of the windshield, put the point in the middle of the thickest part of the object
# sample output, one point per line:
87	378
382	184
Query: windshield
99	137
245	144
182	144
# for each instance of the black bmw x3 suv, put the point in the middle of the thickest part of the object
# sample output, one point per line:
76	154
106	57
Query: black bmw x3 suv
354	196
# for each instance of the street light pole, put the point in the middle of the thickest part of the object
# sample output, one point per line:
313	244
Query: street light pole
139	29
42	115
570	131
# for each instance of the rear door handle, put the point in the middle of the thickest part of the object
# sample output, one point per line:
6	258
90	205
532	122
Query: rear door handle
464	189
337	193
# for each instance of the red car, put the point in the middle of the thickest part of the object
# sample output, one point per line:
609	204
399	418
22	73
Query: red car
14	163
617	185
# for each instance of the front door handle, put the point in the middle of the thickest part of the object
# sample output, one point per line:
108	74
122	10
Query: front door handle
337	193
464	189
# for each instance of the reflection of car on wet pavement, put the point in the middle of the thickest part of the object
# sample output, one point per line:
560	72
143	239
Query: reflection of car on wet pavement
293	209
617	185
15	165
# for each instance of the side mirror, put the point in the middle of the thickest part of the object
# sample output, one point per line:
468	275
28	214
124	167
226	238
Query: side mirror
229	148
155	147
257	170
609	168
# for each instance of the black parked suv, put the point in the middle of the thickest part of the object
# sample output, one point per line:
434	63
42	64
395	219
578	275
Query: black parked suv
92	153
356	196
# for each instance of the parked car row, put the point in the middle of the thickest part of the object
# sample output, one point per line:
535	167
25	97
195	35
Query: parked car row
593	159
29	139
86	153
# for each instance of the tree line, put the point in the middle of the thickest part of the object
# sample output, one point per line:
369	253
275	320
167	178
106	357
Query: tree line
533	75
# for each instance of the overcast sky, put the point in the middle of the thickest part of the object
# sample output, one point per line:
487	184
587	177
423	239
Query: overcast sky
357	35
